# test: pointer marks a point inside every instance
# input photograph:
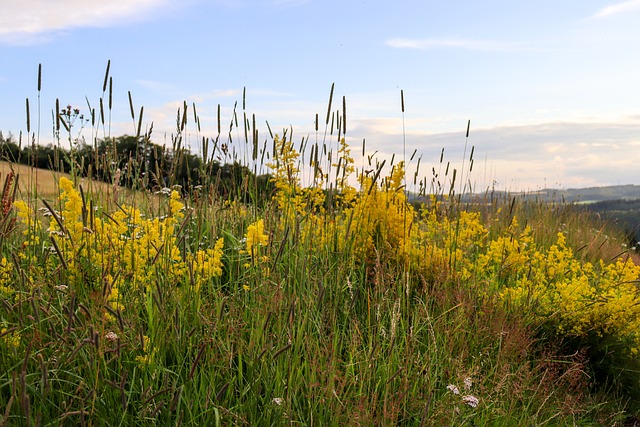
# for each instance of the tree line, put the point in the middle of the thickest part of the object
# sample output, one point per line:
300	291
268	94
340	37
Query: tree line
139	163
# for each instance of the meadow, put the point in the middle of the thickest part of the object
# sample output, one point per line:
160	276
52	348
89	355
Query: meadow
335	301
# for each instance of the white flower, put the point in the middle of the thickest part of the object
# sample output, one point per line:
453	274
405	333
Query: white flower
471	400
468	383
453	389
111	336
277	400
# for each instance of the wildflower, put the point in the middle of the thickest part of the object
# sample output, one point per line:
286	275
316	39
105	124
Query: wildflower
175	206
453	389
255	236
10	337
6	291
46	212
6	280
149	353
73	201
468	383
208	262
278	400
111	336
471	400
246	288
143	361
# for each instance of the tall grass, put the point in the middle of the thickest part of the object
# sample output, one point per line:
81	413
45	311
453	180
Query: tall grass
332	304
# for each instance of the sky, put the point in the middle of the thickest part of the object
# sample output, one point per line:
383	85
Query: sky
551	88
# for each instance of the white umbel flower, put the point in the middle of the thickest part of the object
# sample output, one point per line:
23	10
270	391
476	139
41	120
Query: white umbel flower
471	400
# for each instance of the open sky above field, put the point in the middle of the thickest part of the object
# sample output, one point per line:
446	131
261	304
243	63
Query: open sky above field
552	88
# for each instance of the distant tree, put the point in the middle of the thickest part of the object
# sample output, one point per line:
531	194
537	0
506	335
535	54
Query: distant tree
143	164
9	149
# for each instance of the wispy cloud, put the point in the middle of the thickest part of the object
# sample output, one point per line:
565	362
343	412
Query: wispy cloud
424	44
212	95
618	8
36	21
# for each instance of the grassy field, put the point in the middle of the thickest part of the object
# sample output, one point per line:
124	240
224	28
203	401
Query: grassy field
34	181
36	184
333	304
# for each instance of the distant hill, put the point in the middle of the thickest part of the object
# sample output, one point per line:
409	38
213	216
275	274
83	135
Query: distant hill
616	204
571	195
585	195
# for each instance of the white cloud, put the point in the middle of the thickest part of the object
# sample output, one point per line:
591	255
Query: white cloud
36	21
617	8
423	44
556	154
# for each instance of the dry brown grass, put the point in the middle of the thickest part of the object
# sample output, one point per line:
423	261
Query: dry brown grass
36	184
45	182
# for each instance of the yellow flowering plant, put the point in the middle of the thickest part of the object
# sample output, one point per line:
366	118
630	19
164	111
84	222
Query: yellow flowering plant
378	217
255	237
123	250
576	298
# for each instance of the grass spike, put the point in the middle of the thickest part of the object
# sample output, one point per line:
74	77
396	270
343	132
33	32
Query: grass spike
106	76
40	77
330	100
28	117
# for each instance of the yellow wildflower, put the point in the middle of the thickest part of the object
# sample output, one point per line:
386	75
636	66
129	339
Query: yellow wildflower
10	339
255	236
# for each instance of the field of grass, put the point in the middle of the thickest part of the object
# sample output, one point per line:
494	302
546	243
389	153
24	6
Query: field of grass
332	304
44	183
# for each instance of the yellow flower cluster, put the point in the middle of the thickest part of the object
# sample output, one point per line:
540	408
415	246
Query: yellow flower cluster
376	218
31	231
11	339
207	263
290	196
382	217
580	299
6	291
444	247
148	353
255	237
121	249
575	297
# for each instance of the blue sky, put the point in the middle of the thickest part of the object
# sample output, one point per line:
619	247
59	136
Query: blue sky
552	88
